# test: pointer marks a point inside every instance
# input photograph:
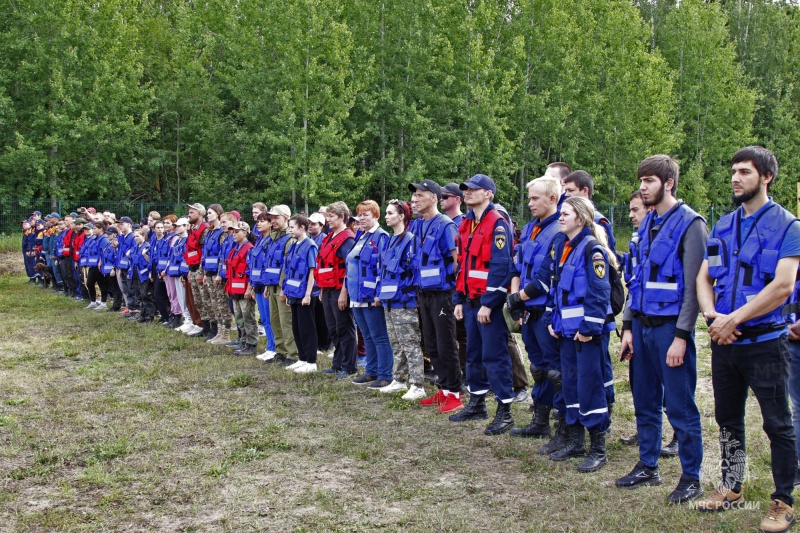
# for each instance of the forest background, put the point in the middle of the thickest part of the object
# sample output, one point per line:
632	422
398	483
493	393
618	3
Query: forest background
309	101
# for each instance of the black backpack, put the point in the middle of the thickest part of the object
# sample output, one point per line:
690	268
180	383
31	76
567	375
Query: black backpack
617	290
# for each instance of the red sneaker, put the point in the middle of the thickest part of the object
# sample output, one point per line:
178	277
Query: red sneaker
436	399
125	311
451	404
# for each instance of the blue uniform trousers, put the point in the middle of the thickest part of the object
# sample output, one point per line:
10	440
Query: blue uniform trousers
56	270
488	360
608	379
30	262
583	384
543	353
657	385
263	312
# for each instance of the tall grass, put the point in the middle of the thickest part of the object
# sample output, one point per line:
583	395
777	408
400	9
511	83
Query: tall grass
10	243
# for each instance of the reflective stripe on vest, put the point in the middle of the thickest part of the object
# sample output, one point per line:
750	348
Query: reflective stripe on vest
330	268
271	274
193	253
236	265
475	252
296	280
429	261
531	254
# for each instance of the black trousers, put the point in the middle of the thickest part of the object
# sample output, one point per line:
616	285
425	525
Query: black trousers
144	289
343	324
764	368
93	277
439	334
113	292
160	297
67	275
304	318
323	334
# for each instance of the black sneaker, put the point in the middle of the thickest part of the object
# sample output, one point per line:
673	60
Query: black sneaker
687	489
330	370
378	383
364	380
640	476
671	449
633	440
287	361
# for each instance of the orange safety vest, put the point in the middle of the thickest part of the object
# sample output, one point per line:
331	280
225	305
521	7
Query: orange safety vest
474	253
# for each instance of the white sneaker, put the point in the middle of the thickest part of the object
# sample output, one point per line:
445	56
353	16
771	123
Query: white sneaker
261	331
91	305
394	386
193	329
298	364
415	393
269	355
307	368
101	306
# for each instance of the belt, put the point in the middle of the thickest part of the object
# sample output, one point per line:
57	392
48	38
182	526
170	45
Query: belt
474	302
432	291
654	321
753	332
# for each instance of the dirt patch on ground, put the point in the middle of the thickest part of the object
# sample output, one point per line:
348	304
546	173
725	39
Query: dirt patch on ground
11	263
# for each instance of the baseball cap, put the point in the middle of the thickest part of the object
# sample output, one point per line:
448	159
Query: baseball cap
242	226
236	214
112	230
37	213
453	189
319	218
479	181
88	225
40	221
126	219
56	215
74	214
427	185
280	210
197	206
180	222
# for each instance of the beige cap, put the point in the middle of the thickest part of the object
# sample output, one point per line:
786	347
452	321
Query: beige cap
282	210
198	206
241	226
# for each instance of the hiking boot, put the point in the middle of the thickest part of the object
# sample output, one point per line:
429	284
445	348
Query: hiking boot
633	440
213	331
576	447
475	410
780	518
640	476
539	428
203	332
436	399
503	421
596	457
687	489
451	404
671	449
721	500
560	440
247	349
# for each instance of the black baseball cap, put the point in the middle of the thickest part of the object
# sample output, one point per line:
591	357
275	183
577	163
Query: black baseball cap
126	219
453	189
427	185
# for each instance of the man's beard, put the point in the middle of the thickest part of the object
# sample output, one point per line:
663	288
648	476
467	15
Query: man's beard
657	199
746	195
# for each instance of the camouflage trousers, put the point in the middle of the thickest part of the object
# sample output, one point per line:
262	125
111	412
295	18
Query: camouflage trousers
404	336
245	313
218	299
201	297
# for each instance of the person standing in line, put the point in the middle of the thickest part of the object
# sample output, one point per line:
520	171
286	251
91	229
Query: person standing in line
238	286
126	243
108	262
194	258
178	270
141	275
257	261
280	316
316	225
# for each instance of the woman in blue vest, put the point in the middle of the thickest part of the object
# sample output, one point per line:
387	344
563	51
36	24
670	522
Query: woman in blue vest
160	260
177	271
301	294
582	295
257	263
397	292
90	260
140	275
360	284
108	263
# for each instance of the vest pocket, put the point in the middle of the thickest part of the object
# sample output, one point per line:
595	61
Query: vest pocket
717	258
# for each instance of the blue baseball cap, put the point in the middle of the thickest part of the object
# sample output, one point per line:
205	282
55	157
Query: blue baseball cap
74	214
56	215
37	213
479	181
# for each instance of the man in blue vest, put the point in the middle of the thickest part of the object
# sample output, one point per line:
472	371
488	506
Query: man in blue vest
747	276
482	280
658	328
580	183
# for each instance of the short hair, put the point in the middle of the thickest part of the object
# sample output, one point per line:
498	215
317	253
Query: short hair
371	206
552	186
662	166
564	169
227	214
216	208
101	225
637	194
300	220
141	231
154	215
260	206
764	161
582	180
171	218
339	209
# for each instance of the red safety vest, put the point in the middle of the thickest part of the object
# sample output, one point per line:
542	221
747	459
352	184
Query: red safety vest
331	269
194	252
474	253
77	242
66	243
236	266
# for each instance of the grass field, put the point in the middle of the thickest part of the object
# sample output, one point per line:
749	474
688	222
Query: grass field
112	426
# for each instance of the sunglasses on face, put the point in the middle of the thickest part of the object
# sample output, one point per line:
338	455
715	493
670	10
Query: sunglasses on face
447	196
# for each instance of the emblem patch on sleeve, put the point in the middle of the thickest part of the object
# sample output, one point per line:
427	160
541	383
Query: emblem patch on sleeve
500	241
599	268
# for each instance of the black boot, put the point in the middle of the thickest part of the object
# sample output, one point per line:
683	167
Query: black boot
475	410
204	331
236	342
213	330
575	447
633	440
503	421
246	349
671	449
596	457
560	440
539	427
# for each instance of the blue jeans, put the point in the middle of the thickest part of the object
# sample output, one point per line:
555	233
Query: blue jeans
263	312
658	384
372	323
794	388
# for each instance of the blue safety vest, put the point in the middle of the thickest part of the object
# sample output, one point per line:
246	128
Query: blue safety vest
60	244
430	263
108	256
257	260
295	282
140	263
630	259
274	260
742	272
657	285
211	250
396	287
161	252
225	250
88	252
177	265
362	265
531	253
125	243
318	239
570	290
